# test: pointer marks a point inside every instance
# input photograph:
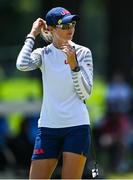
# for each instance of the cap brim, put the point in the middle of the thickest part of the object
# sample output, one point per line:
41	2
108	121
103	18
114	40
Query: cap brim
70	18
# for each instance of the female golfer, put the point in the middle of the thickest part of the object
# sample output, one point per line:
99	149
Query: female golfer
67	75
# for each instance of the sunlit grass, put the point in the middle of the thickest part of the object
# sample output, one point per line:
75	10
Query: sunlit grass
121	176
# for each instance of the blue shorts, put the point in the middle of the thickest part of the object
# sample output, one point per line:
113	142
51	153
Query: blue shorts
51	142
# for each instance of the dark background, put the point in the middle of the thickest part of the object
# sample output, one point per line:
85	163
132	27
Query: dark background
105	26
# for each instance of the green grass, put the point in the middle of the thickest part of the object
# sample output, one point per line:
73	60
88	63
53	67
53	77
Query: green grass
121	176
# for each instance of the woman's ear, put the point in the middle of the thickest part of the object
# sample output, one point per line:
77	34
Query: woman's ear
50	28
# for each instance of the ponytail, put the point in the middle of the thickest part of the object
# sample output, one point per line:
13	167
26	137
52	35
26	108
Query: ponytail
46	36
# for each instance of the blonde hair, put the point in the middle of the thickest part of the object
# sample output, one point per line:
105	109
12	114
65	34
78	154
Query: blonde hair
46	35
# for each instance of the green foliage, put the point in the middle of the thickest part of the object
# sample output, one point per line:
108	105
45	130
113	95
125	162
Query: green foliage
26	6
96	103
20	89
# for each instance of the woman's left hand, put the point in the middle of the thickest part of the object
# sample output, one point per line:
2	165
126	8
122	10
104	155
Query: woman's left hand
71	55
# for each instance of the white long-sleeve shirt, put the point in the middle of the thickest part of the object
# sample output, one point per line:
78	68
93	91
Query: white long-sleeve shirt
63	90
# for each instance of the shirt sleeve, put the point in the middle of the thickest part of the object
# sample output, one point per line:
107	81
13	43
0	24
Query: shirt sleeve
28	59
83	80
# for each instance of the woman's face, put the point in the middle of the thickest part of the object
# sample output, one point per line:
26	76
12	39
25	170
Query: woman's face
59	33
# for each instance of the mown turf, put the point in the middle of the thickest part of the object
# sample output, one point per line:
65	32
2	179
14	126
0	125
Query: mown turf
121	176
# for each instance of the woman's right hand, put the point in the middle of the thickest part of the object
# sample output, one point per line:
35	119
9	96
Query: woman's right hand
37	26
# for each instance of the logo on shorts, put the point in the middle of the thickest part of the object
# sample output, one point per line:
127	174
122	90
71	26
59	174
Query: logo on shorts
38	151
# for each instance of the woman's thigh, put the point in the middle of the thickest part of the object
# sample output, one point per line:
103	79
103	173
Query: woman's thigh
46	153
75	151
78	140
42	169
73	165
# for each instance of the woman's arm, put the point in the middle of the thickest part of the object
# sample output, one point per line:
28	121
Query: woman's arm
83	79
82	72
28	60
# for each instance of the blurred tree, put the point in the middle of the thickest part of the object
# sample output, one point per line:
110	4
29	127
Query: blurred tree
14	18
93	30
120	36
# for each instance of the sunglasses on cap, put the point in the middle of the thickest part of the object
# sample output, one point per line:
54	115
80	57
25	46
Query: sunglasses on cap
66	26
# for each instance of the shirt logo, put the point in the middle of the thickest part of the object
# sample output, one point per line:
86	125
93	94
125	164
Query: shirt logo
38	151
47	50
66	62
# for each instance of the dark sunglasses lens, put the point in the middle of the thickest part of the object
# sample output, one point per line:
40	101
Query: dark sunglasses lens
68	26
65	26
74	23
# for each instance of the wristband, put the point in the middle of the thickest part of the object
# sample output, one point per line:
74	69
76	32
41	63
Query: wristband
76	69
30	36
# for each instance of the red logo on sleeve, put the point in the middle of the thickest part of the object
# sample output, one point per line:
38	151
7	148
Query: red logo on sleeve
66	62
